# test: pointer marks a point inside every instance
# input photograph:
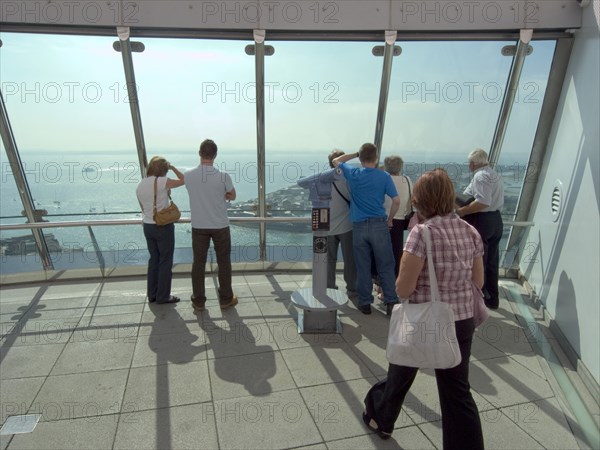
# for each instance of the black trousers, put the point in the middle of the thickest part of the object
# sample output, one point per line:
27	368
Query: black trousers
490	228
221	239
397	235
461	426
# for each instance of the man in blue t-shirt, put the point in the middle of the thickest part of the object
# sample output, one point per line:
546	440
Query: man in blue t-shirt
371	237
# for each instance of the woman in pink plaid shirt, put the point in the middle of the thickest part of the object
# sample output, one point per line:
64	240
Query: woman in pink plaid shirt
457	258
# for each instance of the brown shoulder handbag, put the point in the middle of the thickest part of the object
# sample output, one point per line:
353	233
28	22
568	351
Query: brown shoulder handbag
171	214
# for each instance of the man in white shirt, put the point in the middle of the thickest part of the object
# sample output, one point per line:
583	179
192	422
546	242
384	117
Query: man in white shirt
483	213
210	190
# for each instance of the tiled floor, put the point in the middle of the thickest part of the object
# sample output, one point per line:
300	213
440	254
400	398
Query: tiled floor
106	370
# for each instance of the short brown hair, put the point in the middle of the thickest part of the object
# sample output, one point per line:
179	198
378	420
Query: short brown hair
208	149
367	153
157	167
433	194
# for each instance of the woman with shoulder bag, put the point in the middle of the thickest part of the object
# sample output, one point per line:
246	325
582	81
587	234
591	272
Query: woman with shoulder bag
393	165
153	194
457	251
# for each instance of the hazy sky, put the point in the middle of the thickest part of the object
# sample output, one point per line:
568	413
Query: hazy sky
66	93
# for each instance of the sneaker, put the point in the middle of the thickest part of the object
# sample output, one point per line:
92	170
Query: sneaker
365	309
233	302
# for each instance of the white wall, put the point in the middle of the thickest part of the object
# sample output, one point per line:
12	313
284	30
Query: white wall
564	266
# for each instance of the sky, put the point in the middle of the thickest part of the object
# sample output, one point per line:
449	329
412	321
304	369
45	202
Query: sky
68	94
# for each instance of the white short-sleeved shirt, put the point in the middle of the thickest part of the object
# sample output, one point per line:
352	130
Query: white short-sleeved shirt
207	186
488	188
145	195
402	184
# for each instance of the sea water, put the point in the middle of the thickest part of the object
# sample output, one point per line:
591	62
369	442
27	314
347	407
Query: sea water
78	186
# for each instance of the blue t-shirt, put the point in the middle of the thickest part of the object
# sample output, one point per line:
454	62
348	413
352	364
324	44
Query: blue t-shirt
368	188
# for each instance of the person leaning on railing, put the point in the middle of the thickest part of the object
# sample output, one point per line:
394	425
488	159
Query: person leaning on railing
160	238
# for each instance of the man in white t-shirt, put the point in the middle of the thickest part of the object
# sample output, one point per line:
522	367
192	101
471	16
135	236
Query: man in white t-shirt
210	190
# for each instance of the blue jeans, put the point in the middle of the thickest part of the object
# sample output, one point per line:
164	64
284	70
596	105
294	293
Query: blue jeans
161	245
371	237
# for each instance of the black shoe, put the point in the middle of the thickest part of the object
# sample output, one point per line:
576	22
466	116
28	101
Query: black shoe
151	300
492	304
365	309
389	307
372	425
171	299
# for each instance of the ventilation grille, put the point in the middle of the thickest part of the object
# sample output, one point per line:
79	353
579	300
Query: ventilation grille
557	200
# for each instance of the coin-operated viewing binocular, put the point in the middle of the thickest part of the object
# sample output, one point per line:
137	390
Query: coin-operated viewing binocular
318	305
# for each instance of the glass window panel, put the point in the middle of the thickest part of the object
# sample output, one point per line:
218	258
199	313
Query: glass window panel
523	122
69	112
191	90
319	96
443	103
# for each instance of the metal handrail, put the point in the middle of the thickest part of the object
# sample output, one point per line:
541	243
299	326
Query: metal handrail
86	223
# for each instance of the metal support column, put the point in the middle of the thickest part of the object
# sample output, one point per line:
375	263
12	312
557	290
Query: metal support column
259	58
512	86
388	57
16	166
134	103
556	78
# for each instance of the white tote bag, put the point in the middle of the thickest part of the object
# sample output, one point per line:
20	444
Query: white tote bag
423	334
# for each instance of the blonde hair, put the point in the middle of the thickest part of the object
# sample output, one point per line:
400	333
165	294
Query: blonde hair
157	167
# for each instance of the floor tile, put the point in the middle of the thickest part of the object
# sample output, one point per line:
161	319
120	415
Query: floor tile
28	361
91	356
167	385
84	433
172	348
502	382
256	374
320	365
407	438
544	421
65	397
179	427
17	396
274	421
337	408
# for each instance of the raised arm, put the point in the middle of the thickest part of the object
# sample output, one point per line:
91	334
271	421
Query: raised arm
175	183
344	158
